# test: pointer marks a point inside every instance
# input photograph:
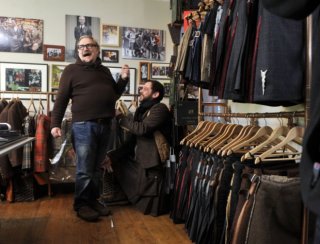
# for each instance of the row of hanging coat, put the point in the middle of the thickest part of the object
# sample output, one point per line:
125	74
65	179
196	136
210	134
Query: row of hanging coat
237	184
32	157
243	53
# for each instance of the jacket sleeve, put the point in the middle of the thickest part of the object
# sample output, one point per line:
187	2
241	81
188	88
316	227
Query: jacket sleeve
153	120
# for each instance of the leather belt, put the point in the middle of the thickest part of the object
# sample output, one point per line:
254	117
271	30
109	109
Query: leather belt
101	120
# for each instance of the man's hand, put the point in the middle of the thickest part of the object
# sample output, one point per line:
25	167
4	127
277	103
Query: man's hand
106	164
125	72
56	132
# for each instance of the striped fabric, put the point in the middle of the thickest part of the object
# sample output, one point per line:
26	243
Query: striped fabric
41	156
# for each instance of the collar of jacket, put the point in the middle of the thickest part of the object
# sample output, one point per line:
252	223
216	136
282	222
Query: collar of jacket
95	64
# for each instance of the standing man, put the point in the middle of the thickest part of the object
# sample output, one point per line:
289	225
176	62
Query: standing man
137	165
93	92
82	29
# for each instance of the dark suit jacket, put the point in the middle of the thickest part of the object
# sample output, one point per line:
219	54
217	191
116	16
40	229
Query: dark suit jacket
137	165
311	145
86	31
143	147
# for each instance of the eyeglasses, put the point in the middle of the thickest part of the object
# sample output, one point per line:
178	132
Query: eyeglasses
88	46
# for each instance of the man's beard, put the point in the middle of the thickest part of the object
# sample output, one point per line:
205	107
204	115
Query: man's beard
144	99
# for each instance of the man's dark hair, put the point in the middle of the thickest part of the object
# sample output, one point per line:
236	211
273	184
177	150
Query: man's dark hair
157	87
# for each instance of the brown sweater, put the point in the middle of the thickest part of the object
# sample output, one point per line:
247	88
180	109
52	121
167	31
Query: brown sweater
92	89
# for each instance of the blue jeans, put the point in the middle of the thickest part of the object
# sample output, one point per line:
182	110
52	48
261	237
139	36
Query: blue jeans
90	141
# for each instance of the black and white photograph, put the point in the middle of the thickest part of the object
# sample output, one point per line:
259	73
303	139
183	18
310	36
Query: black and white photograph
160	70
140	43
21	35
77	26
167	87
144	71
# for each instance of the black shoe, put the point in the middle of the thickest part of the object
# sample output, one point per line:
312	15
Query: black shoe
102	210
88	214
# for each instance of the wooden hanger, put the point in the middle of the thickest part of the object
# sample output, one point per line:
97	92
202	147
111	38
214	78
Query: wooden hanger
220	135
133	104
220	129
232	131
209	127
41	107
32	105
197	130
244	133
294	135
272	140
213	130
257	137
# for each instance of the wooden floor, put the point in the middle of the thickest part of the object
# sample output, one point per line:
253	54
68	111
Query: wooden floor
52	220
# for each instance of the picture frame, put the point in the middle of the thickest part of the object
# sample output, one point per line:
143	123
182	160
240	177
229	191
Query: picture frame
131	87
53	53
160	70
144	71
109	56
110	35
167	87
24	77
77	26
21	35
141	43
56	72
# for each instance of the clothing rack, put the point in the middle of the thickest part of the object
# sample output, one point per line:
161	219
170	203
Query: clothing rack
46	94
252	116
288	115
39	95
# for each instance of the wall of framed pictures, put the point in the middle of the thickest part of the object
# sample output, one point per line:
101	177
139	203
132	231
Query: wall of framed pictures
54	37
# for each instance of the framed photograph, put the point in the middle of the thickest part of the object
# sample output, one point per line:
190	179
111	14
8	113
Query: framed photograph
160	70
144	71
140	43
110	35
21	35
110	56
77	26
23	77
167	87
131	87
56	72
53	53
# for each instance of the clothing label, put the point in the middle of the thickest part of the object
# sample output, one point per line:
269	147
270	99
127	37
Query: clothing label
263	80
